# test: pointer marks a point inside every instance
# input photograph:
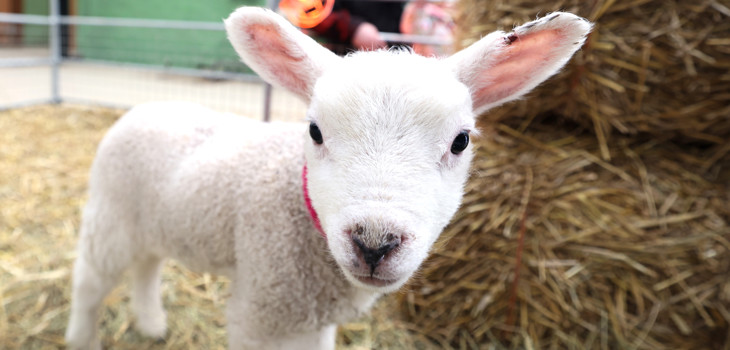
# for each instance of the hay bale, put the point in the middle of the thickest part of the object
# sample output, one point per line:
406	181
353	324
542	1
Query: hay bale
556	248
653	66
618	237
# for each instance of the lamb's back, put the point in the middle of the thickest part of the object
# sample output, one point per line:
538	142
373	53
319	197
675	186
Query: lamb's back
186	180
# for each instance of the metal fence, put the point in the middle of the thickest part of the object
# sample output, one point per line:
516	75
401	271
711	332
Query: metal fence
79	59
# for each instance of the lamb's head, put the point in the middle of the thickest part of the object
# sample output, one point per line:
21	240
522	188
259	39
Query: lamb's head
387	154
387	150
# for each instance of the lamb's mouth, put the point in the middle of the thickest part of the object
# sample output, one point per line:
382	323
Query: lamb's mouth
375	281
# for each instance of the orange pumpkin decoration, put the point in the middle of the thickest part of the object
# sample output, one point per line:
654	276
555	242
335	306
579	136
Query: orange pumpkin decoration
306	13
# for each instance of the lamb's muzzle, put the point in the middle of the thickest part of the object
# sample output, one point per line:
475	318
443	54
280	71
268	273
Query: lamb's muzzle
373	255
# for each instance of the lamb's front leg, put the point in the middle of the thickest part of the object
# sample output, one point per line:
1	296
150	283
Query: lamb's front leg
242	332
323	339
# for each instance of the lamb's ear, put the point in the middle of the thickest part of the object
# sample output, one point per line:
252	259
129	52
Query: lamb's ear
504	66
276	50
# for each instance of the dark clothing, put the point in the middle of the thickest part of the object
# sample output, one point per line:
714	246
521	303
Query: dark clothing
340	26
383	14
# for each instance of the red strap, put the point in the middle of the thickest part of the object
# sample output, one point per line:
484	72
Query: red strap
308	201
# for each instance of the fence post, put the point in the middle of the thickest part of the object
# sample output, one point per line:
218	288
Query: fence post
270	4
267	102
55	41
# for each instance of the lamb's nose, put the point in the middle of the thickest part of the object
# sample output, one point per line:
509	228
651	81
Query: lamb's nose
373	256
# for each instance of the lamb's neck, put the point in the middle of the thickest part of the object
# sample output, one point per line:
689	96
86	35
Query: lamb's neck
345	300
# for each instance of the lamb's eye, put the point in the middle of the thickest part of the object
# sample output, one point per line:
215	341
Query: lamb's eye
460	142
315	133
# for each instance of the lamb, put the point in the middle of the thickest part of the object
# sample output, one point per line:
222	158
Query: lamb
310	231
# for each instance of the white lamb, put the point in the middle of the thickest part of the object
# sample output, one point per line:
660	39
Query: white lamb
311	227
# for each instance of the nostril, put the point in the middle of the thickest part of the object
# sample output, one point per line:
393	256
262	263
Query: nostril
359	230
392	238
373	256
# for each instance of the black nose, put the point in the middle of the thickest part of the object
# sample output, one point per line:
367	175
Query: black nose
373	256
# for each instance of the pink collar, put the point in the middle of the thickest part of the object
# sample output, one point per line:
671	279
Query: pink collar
308	201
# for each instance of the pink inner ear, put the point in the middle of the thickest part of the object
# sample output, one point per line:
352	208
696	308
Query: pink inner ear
278	56
518	66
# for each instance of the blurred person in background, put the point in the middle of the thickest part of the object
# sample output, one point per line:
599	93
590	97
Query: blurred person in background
349	25
356	25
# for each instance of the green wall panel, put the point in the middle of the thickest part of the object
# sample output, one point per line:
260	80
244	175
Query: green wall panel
169	47
35	34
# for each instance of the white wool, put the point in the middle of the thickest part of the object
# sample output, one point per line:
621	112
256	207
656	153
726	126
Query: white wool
222	193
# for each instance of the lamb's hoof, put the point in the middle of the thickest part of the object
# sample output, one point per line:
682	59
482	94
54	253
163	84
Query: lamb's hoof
95	345
153	327
80	338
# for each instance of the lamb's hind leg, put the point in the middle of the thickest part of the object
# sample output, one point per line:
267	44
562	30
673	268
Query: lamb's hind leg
146	300
90	286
